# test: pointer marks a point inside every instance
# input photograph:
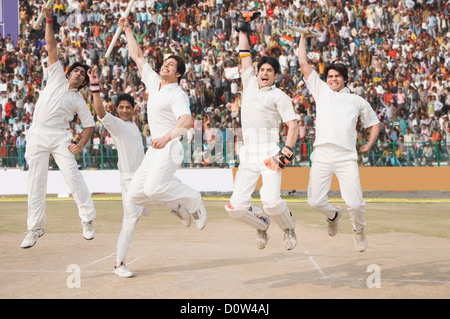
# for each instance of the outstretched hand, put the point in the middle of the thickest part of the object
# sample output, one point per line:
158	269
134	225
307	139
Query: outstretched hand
93	75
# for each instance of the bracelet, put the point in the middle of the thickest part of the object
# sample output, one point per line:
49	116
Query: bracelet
243	55
95	88
244	51
48	20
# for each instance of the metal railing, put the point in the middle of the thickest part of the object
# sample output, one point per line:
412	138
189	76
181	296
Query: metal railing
226	155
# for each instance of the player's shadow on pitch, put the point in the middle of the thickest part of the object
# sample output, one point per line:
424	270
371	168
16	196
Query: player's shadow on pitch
355	275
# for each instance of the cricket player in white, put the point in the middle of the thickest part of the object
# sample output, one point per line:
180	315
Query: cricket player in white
337	113
130	150
50	134
169	117
262	107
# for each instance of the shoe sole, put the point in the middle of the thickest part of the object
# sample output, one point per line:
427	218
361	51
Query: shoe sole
132	275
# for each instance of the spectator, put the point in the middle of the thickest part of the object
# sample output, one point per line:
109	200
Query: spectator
411	43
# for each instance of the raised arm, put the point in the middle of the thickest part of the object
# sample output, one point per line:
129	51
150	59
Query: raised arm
95	89
50	39
135	51
244	51
303	57
243	27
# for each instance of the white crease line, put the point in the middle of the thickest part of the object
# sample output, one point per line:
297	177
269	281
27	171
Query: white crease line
316	265
94	262
135	259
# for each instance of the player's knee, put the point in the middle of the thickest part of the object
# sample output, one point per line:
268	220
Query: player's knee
274	208
317	204
355	206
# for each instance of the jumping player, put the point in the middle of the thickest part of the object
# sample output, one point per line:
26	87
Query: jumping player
337	112
49	134
262	106
169	117
130	151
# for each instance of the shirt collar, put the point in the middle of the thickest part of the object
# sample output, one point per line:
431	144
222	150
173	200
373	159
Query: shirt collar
345	90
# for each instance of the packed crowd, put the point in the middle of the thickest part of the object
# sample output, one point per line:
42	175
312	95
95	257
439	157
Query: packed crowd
397	53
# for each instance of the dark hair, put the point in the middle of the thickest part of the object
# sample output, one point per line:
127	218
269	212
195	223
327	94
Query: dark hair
181	66
125	97
338	67
86	77
272	61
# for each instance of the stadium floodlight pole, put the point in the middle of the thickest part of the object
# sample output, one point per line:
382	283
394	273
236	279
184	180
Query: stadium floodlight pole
118	31
305	31
48	6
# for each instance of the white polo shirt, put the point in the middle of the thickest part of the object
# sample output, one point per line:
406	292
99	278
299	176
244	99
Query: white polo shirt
165	105
57	104
337	114
262	110
128	141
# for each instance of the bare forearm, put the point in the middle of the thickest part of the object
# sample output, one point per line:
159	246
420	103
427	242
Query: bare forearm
303	58
50	42
85	136
292	135
183	124
374	131
244	46
98	105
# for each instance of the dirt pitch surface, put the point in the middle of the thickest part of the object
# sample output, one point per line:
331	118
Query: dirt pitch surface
408	256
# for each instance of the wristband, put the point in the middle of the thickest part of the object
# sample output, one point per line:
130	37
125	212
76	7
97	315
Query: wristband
244	51
48	20
95	88
243	55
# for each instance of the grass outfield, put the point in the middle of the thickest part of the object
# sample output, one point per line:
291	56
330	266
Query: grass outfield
427	218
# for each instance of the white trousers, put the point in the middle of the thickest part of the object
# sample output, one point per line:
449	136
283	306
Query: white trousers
41	142
244	185
131	214
327	160
154	184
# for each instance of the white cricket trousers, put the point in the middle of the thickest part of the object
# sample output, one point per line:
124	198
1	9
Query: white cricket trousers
327	160
249	171
41	142
154	184
131	214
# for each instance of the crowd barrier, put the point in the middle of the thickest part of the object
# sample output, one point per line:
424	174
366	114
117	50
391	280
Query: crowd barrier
225	155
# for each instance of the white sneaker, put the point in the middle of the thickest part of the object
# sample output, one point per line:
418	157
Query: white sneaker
290	239
333	225
88	230
183	215
122	271
261	235
360	240
31	237
200	216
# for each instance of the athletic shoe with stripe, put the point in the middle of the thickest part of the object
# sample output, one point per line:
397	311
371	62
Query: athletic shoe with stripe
333	224
261	235
31	237
183	215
